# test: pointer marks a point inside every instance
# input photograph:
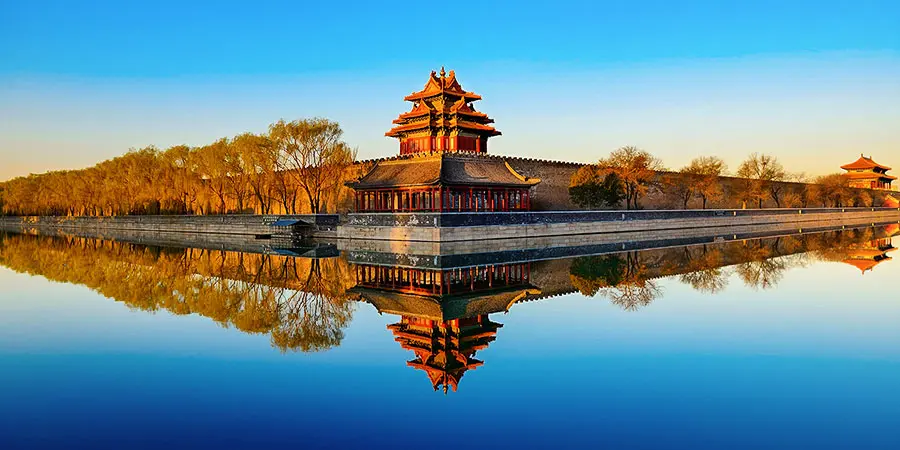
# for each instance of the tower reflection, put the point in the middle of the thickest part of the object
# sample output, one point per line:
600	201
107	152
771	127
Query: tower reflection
869	254
444	314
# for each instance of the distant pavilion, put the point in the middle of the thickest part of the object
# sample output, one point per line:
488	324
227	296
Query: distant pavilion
443	164
868	174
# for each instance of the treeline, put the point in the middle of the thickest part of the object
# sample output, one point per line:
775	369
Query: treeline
296	167
630	174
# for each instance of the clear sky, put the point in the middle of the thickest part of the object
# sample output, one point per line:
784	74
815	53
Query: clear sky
814	83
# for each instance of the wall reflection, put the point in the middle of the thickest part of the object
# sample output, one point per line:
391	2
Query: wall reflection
305	304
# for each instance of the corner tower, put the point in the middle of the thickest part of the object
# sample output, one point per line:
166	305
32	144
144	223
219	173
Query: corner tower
443	119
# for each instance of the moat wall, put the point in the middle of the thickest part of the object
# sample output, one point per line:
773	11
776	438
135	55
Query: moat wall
460	227
308	225
454	227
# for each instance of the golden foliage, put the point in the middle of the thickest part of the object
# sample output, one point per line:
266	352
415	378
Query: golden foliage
249	173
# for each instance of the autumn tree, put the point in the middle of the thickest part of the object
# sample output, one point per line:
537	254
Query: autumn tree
312	153
705	174
260	158
211	164
763	176
679	186
636	169
238	166
835	190
593	187
243	174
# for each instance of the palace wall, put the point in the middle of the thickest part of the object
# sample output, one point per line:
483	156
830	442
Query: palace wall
552	193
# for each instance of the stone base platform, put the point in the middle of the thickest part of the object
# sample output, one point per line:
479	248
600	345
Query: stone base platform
469	227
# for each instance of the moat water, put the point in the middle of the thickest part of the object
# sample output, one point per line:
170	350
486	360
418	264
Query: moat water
782	342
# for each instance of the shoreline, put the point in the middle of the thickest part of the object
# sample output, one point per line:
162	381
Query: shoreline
423	229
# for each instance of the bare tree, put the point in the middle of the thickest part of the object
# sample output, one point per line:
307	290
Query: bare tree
765	174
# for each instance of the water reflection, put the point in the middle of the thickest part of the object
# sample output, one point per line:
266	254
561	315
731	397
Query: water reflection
301	303
305	304
444	314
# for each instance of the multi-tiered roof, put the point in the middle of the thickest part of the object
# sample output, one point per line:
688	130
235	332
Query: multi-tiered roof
866	173
442	118
445	350
865	257
443	164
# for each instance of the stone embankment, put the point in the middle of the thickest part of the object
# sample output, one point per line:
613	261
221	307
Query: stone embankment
455	227
461	227
306	225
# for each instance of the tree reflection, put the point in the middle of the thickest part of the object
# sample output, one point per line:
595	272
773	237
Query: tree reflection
301	304
620	278
628	279
705	273
314	317
708	281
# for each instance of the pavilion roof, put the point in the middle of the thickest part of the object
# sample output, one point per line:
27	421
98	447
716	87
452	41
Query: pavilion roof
864	265
421	109
448	378
442	83
867	175
864	163
442	169
403	125
456	307
480	155
868	253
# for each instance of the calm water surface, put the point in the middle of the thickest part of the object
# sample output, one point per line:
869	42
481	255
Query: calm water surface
789	342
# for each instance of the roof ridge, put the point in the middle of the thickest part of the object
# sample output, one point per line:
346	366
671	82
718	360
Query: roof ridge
471	154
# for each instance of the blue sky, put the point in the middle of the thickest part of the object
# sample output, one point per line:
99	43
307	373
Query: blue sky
811	82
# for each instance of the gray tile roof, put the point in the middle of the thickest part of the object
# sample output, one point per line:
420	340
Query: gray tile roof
442	169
